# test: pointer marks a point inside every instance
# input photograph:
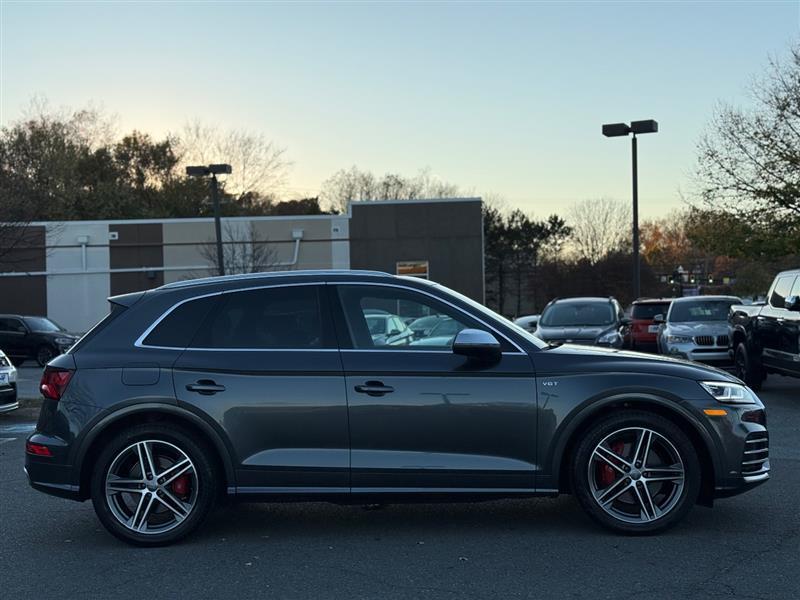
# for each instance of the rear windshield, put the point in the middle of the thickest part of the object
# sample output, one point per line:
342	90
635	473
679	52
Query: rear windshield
700	310
574	314
648	311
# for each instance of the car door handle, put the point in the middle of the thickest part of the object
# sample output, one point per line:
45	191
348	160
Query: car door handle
374	388
206	387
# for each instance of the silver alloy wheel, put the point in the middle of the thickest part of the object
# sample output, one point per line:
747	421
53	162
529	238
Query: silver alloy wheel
151	487
636	475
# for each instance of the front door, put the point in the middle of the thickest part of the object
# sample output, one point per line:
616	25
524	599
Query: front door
423	418
265	366
12	337
774	324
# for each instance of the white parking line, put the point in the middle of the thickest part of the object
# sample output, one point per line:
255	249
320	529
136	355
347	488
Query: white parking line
6	440
18	428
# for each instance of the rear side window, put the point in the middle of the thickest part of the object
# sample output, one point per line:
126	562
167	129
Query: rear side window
782	289
177	329
271	318
648	311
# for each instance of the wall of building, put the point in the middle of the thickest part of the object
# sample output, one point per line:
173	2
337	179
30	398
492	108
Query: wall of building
67	270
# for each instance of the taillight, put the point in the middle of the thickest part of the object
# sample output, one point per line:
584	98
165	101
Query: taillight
54	382
37	449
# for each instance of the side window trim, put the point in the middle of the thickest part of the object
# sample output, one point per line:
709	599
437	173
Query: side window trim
774	289
346	326
139	343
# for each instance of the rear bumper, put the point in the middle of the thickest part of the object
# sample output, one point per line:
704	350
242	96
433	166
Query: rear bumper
8	398
50	474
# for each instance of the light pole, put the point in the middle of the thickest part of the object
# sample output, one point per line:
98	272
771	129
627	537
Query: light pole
214	170
623	129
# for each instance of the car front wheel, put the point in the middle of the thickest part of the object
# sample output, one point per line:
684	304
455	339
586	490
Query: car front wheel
746	370
153	485
44	355
636	472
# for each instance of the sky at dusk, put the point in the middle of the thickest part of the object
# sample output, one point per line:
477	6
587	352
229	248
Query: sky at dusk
503	99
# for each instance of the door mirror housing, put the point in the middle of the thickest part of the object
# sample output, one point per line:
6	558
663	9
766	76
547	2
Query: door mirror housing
659	319
792	303
477	344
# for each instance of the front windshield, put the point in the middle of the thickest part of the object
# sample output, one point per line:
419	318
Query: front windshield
700	310
488	312
42	324
376	325
578	314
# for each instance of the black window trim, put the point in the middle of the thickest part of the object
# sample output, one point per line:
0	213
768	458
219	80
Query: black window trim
793	280
139	343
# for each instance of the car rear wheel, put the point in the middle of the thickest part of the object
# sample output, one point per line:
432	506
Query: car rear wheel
746	370
44	355
153	485
636	472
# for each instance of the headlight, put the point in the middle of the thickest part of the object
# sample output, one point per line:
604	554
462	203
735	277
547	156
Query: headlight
64	341
729	393
609	338
679	339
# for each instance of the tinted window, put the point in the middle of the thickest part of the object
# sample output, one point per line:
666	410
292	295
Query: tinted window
782	289
795	288
648	311
574	314
279	317
700	310
177	329
7	324
42	324
376	319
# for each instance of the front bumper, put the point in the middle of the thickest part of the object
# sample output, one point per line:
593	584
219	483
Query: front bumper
693	352
8	398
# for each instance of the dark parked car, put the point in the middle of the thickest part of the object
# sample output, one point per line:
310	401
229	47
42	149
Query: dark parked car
766	338
644	329
271	387
590	321
37	338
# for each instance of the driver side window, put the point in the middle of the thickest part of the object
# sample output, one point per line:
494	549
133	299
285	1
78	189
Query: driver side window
387	318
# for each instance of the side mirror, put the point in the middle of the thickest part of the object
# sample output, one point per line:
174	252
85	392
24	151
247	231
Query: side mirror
625	321
659	319
792	303
394	332
477	344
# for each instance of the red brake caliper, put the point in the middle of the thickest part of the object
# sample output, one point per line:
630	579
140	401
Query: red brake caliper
181	486
607	473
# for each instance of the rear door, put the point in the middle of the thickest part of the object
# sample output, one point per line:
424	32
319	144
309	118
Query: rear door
424	419
265	367
13	337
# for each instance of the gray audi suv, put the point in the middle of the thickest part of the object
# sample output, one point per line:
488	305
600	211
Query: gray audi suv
271	387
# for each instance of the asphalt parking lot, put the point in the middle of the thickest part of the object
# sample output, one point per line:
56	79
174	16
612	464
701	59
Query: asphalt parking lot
745	547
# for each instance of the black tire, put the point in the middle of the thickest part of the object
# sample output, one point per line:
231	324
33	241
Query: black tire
44	354
746	368
682	501
207	482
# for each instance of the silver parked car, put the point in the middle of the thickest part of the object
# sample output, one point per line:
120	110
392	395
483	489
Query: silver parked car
696	328
8	384
528	323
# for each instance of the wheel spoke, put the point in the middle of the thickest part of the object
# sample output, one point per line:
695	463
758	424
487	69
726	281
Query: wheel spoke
144	450
118	484
132	521
176	471
648	499
145	513
610	455
619	487
608	461
644	514
180	509
642	447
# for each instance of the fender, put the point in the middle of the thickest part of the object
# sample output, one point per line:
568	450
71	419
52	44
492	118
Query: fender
581	416
211	430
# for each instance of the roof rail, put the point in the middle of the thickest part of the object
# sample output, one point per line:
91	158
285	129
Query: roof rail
269	274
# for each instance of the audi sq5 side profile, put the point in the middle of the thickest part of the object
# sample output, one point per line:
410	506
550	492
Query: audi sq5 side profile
271	387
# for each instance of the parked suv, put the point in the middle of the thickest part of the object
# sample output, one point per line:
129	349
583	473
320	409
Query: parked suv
766	338
271	387
644	329
590	321
696	328
36	338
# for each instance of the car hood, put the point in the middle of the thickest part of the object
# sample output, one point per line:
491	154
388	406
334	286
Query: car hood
704	328
587	359
57	334
571	333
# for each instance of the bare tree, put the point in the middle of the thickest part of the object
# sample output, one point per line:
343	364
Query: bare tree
244	251
599	227
354	185
259	165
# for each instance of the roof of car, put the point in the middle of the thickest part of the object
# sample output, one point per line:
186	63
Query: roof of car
652	300
584	299
692	298
271	274
789	272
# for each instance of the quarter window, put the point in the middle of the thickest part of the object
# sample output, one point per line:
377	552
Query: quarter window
177	329
269	318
